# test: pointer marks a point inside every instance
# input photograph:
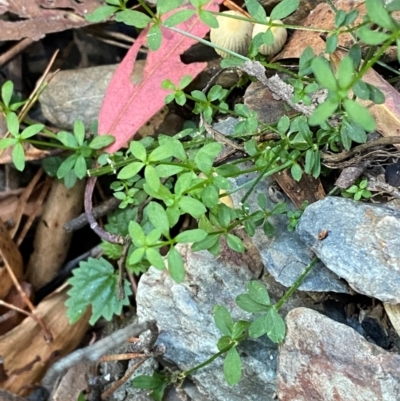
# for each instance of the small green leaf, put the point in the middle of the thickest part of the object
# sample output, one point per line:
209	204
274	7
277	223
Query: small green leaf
178	17
258	292
138	150
176	267
152	178
6	92
67	139
223	320
284	9
154	37
79	131
185	81
208	18
345	72
378	14
235	243
136	256
161	153
192	206
149	382
224	342
258	327
323	73
18	156
331	43
7	142
133	18
210	196
95	283
137	234
245	302
130	170
66	166
256	10
188	236
323	112
101	141
154	257
360	115
239	327
31	131
276	328
232	367
370	37
164	6
207	243
158	216
101	13
80	167
296	172
12	123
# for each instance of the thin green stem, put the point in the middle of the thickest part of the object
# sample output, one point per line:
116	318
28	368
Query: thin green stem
296	284
147	8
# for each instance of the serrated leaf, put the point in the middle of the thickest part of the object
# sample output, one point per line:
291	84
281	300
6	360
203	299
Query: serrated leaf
223	320
95	283
232	367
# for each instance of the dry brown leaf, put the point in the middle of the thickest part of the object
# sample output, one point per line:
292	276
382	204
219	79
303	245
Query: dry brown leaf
10	253
51	243
26	354
42	16
307	189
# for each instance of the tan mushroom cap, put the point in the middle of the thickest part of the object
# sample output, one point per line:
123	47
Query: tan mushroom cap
280	36
232	34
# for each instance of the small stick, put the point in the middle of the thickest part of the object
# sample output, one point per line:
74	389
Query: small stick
98	211
93	352
7	56
47	334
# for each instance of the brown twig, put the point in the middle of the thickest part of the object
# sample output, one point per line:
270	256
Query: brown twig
93	352
98	211
47	334
7	56
123	379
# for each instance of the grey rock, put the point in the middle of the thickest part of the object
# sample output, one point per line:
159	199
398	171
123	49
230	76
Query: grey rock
76	94
284	255
184	316
322	360
362	244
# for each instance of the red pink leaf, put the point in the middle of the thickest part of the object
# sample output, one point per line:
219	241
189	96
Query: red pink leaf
127	106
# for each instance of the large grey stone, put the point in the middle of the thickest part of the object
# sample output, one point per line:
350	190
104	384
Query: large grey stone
362	244
184	316
76	94
322	360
